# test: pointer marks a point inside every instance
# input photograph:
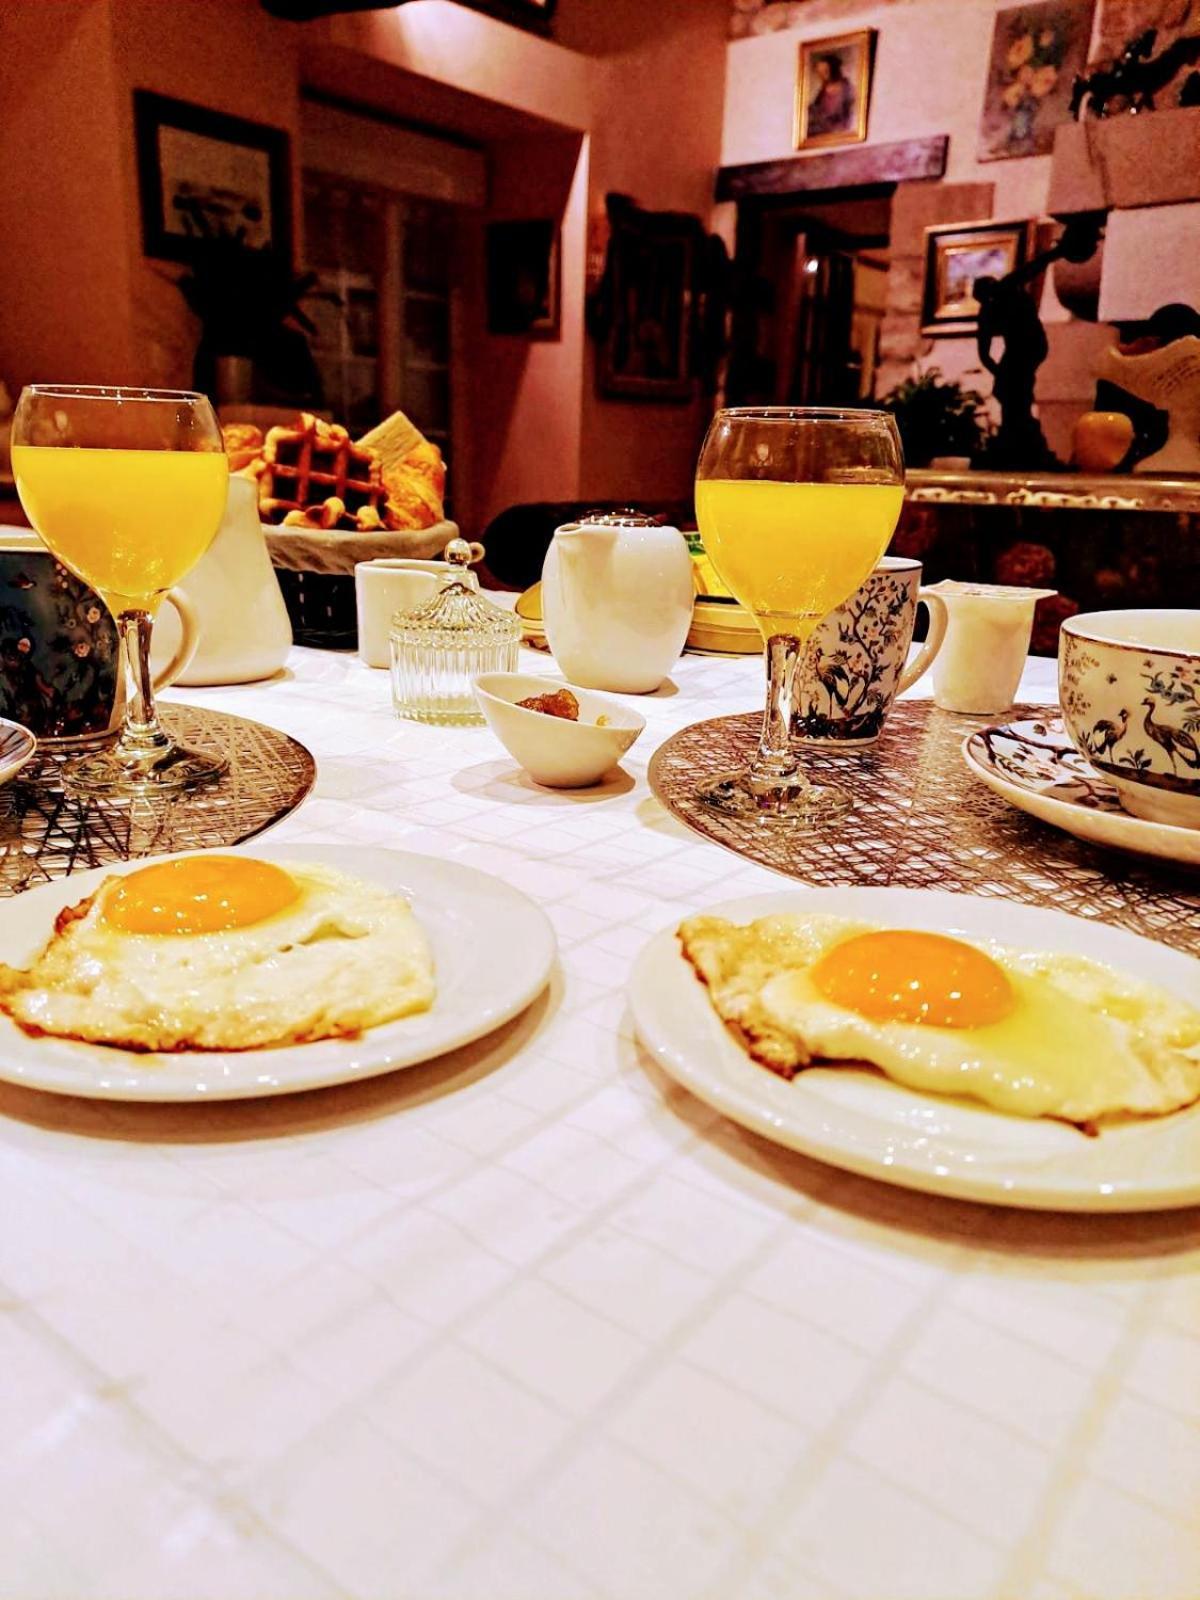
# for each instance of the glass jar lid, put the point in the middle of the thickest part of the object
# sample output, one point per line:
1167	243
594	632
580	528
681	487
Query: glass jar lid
457	616
624	517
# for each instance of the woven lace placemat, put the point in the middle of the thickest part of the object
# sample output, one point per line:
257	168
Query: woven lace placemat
921	821
46	834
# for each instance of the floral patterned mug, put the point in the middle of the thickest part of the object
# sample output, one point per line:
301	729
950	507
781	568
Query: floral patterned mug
1129	684
58	646
855	665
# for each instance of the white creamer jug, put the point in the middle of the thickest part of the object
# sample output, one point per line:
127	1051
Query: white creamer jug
617	598
245	633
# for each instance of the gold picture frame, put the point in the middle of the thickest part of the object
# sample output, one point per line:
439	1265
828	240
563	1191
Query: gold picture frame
955	255
833	90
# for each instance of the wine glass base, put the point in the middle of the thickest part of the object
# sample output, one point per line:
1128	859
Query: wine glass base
778	805
167	772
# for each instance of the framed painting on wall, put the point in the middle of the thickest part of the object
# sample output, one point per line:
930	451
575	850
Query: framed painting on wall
1036	51
524	278
647	326
833	90
955	256
202	174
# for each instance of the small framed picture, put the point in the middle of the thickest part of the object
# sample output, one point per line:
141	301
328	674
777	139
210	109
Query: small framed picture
955	257
646	349
204	175
833	90
524	278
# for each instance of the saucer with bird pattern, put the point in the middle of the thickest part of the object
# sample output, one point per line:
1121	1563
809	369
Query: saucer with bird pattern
1035	767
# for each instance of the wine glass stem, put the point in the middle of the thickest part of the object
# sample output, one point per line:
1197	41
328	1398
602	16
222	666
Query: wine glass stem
141	734
773	763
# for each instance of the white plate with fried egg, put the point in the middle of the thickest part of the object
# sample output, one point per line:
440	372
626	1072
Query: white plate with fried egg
259	970
1035	991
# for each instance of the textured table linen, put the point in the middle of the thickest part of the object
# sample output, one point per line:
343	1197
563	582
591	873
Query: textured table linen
532	1324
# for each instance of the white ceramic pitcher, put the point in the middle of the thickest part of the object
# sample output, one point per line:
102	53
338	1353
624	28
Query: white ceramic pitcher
245	633
617	597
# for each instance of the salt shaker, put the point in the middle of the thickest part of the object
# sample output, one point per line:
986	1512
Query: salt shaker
438	648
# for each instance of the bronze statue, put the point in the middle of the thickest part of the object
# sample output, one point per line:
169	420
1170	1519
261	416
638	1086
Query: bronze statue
1135	77
1008	312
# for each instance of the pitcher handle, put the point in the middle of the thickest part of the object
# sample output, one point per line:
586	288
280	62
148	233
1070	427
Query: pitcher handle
939	618
189	638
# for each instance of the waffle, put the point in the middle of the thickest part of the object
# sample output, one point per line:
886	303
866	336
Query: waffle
308	469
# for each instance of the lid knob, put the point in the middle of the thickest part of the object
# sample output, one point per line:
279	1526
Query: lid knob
458	553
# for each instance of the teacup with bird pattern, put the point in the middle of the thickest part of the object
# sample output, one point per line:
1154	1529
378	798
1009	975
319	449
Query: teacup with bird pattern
1129	683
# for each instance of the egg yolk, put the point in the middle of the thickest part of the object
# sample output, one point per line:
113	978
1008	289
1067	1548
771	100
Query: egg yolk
199	894
914	977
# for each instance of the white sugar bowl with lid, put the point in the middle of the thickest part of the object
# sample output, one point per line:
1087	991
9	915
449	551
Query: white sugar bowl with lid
617	596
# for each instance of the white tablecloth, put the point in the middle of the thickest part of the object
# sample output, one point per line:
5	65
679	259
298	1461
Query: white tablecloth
532	1324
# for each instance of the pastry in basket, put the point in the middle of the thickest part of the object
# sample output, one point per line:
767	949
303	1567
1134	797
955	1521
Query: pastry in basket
413	471
307	466
312	475
1032	1033
243	445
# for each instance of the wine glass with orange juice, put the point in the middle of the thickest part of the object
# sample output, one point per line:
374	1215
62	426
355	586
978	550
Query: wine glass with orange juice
127	487
795	505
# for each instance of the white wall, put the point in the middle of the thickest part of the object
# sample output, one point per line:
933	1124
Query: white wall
930	71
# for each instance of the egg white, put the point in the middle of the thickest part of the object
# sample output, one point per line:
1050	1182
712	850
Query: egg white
1082	1041
343	957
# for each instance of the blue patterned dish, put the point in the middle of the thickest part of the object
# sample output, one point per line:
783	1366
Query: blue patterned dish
17	745
1035	767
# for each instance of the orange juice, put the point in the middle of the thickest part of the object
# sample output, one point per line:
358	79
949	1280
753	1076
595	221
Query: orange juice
792	552
129	522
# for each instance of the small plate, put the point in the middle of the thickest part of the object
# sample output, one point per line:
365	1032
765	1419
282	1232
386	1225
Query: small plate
17	745
533	627
493	950
868	1124
1035	767
724	628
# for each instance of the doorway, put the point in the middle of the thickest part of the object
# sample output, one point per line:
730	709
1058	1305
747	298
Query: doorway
811	273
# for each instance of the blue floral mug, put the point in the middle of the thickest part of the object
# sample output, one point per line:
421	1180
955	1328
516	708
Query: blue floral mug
857	661
59	672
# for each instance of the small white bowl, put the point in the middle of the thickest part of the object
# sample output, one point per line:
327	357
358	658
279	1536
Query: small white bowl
553	751
17	745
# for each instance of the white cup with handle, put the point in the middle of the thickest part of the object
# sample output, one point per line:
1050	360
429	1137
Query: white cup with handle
390	584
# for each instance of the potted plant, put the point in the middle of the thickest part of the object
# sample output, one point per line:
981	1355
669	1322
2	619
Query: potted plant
253	331
937	417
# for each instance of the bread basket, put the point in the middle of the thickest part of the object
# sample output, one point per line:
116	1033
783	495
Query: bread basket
315	568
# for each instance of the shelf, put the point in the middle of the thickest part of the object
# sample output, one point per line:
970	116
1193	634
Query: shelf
1054	491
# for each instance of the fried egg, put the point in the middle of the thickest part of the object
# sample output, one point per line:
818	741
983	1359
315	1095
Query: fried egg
1036	1034
224	953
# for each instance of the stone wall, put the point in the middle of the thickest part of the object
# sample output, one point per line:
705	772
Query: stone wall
915	207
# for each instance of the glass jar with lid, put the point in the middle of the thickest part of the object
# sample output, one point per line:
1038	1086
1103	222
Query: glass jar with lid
442	646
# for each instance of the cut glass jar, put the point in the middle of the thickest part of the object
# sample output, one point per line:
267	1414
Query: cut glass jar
442	646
